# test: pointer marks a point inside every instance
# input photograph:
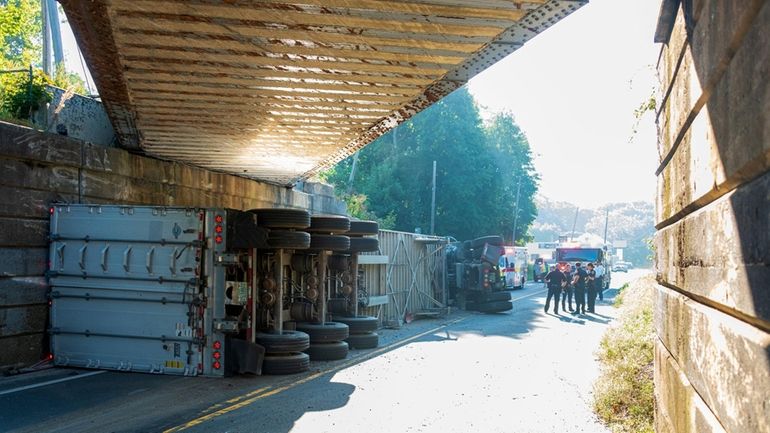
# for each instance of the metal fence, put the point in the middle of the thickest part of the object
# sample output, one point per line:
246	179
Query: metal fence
406	278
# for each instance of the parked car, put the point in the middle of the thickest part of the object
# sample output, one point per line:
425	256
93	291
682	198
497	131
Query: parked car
619	267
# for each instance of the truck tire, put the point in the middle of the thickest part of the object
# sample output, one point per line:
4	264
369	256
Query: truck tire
359	324
286	364
492	297
363	228
282	218
363	245
326	333
287	342
328	351
329	242
288	239
491	240
329	225
494	306
369	340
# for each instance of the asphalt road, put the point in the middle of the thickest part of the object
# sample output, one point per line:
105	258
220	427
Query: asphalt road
519	371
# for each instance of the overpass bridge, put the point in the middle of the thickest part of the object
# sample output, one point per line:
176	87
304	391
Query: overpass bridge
278	90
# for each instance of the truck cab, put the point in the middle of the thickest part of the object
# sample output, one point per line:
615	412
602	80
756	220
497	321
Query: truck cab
567	257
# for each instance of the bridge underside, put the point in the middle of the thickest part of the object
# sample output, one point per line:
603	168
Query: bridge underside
277	90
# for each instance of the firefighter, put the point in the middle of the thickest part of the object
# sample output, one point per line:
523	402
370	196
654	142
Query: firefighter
600	280
592	288
555	280
579	279
567	291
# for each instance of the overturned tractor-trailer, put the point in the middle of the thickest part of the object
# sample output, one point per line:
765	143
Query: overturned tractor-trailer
204	291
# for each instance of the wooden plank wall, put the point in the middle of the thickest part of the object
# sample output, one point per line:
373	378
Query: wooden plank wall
37	169
712	314
411	264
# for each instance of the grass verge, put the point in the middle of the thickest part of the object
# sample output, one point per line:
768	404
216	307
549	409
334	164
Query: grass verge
623	394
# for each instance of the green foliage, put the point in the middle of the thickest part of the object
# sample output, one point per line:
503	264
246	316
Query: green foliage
19	98
623	394
20	37
20	33
478	167
69	80
621	294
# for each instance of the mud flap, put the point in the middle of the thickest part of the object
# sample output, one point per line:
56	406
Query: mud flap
243	357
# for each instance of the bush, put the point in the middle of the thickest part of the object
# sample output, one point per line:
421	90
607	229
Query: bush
20	100
623	394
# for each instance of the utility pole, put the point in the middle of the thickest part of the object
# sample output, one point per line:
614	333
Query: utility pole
352	172
516	212
433	203
55	30
46	38
574	223
606	222
49	14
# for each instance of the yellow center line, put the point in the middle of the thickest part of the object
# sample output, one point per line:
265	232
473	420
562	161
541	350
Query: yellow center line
251	397
257	394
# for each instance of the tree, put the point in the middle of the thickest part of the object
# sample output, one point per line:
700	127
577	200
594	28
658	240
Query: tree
477	171
20	33
21	39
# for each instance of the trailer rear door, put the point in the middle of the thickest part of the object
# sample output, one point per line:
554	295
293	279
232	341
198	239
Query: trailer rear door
124	288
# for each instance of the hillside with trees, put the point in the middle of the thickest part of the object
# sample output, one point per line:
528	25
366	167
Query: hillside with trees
632	222
480	166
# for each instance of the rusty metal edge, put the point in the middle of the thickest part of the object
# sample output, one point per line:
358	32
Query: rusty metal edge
93	32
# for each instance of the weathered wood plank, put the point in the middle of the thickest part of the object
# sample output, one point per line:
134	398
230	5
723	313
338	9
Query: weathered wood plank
23	320
197	69
679	408
249	61
720	252
22	291
152	39
262	16
726	360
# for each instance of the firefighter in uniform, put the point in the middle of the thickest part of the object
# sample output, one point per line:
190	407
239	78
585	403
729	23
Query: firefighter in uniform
579	279
555	281
592	287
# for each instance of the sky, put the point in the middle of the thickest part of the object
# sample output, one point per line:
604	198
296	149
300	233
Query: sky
573	90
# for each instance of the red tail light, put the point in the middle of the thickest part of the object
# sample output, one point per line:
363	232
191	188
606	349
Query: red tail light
217	355
217	345
217	365
218	239
218	219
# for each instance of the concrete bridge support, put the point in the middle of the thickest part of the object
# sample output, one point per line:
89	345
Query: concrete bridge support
37	169
712	314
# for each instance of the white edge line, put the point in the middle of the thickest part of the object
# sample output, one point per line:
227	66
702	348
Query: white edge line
530	295
51	382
